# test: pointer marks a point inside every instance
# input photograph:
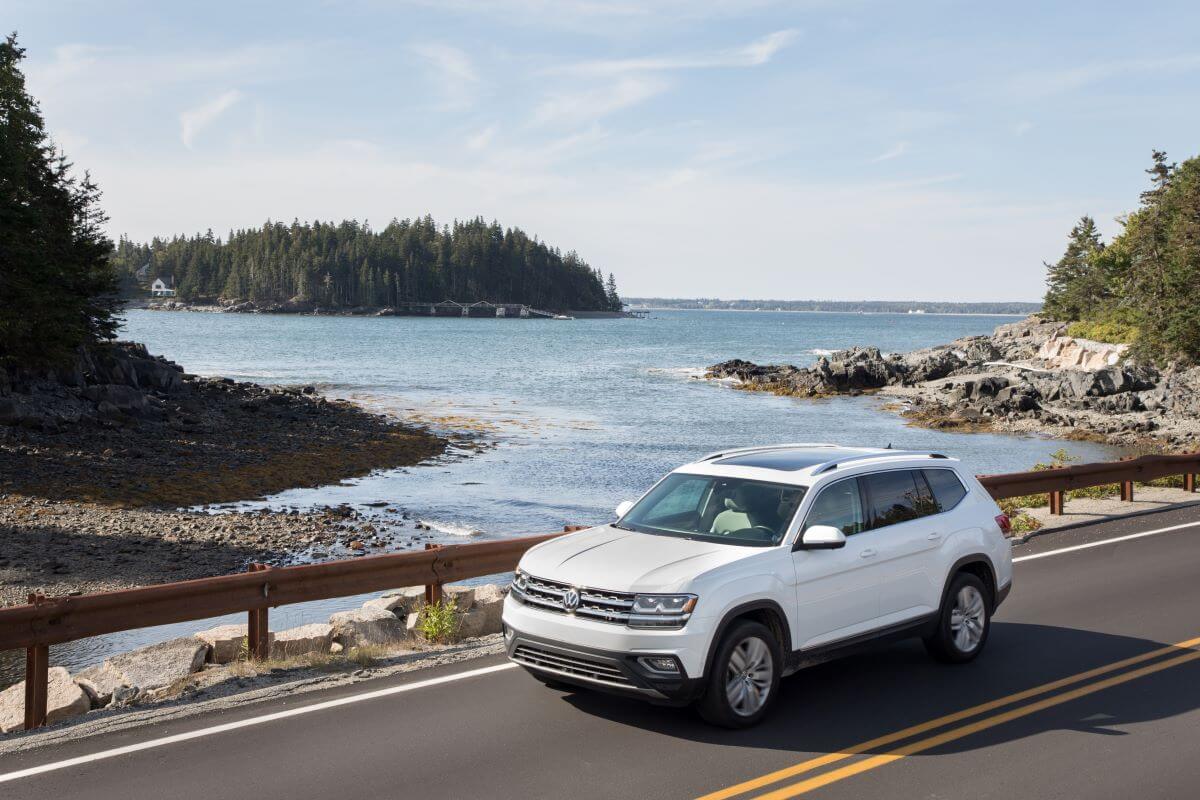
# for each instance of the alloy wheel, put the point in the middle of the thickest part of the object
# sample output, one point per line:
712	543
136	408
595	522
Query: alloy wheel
748	676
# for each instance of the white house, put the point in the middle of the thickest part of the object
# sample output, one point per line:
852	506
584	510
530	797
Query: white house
161	288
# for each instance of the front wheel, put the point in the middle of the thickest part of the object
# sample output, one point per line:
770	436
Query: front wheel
964	622
744	678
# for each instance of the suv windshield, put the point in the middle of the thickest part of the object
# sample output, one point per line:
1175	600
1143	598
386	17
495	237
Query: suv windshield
713	508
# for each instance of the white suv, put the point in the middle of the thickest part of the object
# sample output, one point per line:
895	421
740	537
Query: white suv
747	565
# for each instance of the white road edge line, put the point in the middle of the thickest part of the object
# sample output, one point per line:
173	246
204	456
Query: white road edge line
1103	542
246	723
409	687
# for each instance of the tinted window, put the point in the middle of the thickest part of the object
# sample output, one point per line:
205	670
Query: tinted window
838	505
897	497
947	488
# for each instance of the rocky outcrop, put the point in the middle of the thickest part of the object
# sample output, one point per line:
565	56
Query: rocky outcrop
225	643
64	699
302	641
367	626
1026	376
147	672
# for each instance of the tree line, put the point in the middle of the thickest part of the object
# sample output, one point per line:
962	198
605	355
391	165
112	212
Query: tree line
1143	287
348	264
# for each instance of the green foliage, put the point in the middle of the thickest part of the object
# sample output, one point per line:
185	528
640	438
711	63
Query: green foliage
57	288
1144	288
1023	523
348	264
439	622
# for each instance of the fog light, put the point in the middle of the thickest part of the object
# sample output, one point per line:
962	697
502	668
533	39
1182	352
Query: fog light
664	665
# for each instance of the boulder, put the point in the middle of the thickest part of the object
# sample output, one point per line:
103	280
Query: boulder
225	642
485	616
64	699
463	596
148	669
306	639
366	626
400	601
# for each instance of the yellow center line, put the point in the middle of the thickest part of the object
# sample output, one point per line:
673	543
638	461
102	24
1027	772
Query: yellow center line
925	727
875	762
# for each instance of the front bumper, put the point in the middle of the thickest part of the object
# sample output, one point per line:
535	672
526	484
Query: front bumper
605	656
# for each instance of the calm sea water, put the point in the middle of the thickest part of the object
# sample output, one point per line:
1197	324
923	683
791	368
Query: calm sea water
586	413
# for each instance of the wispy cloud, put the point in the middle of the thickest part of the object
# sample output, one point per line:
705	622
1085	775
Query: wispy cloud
754	54
192	121
895	151
1023	127
453	70
591	104
478	141
1045	83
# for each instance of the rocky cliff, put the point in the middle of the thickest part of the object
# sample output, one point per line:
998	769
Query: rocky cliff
1026	376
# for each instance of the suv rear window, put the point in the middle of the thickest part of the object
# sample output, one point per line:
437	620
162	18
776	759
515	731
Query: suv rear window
947	488
897	496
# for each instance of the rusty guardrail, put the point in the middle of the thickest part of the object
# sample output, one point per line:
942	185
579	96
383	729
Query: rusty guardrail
46	621
1058	481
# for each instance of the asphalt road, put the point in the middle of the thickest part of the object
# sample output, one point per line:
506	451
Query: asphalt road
1126	727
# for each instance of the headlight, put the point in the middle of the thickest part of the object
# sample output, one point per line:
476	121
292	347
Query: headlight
661	610
520	581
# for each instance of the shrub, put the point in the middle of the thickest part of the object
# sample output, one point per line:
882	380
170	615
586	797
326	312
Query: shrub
439	622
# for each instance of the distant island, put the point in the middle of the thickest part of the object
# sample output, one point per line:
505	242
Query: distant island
845	306
347	264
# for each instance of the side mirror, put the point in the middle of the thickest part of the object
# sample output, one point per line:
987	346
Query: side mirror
623	508
821	537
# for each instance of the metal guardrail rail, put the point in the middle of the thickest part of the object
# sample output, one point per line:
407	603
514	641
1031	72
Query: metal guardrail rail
45	621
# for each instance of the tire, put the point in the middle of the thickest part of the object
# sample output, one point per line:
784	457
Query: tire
743	681
963	622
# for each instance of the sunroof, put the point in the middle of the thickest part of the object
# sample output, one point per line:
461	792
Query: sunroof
790	460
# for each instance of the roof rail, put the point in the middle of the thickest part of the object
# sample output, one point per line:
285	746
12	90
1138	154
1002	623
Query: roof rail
888	454
760	448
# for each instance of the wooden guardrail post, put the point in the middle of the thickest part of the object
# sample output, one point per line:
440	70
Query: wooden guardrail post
433	591
1127	491
258	639
1057	501
37	678
1189	482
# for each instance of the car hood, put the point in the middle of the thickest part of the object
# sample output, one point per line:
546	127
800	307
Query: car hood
627	561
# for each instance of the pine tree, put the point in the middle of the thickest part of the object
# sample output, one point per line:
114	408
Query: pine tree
610	292
57	287
1076	283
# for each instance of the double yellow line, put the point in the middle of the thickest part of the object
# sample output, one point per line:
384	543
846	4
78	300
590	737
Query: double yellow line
921	745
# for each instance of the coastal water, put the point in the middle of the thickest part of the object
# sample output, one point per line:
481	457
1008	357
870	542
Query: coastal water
584	413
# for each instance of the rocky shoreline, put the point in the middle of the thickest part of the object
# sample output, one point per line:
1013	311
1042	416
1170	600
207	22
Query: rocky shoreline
97	459
1026	377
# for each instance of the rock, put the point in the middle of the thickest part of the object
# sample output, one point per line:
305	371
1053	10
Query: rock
101	682
64	699
476	623
463	596
366	626
336	648
149	669
225	643
303	640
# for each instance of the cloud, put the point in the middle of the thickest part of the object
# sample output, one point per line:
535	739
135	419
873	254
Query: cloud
194	120
482	139
895	151
454	72
1049	82
754	54
591	104
1022	128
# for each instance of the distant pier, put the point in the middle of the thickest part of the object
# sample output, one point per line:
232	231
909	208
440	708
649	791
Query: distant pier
450	308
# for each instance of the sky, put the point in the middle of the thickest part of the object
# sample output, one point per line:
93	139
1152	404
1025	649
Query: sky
696	148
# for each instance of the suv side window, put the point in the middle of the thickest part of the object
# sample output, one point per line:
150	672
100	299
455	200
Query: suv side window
947	488
839	505
897	496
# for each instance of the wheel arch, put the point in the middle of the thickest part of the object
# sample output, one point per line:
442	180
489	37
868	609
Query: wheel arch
979	565
765	612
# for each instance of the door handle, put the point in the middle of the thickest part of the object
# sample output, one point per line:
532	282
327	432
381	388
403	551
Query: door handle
933	537
868	553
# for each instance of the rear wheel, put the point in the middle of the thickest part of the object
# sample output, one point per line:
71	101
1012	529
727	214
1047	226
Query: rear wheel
964	622
744	678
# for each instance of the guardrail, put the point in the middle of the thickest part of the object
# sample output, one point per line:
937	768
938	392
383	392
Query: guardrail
1059	480
46	621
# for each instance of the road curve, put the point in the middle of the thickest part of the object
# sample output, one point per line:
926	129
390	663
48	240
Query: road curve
1118	718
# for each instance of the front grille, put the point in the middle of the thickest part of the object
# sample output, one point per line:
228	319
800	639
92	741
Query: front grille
570	664
596	604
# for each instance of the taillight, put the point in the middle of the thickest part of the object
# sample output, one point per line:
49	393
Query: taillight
1005	523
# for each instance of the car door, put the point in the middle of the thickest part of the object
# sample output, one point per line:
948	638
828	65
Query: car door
836	593
903	519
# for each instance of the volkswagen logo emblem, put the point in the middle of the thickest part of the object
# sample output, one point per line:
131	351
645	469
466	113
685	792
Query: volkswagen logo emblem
570	599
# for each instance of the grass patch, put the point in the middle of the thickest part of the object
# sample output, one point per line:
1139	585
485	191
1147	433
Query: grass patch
439	622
